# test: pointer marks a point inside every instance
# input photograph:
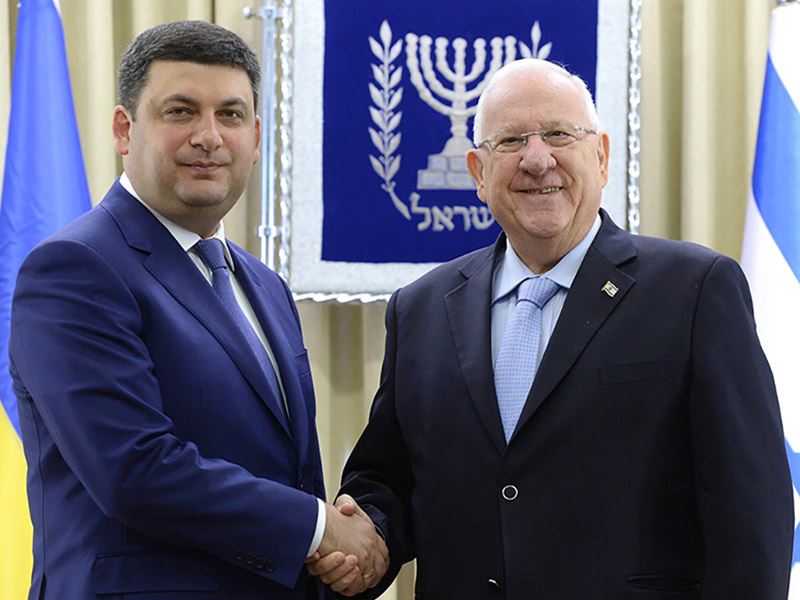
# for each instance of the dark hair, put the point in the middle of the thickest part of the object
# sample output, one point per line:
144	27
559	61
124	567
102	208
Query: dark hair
186	41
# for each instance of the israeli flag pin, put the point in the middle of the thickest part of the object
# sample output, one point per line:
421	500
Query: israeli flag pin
610	289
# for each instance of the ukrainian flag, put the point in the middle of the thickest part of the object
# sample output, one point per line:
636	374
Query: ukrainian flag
771	249
44	188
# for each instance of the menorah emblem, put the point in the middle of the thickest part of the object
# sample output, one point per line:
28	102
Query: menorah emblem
448	169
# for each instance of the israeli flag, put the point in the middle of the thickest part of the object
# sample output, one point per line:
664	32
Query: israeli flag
771	249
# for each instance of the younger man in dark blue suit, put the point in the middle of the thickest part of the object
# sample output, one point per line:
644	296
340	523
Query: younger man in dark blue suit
165	396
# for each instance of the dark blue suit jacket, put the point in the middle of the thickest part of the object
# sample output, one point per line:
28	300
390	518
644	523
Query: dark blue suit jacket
158	464
648	462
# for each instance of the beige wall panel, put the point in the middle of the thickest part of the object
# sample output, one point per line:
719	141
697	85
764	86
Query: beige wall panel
89	38
660	181
697	125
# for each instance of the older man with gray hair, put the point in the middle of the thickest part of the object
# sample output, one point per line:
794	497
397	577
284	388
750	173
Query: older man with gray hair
574	412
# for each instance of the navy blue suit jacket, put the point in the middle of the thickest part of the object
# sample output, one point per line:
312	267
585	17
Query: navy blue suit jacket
158	464
648	462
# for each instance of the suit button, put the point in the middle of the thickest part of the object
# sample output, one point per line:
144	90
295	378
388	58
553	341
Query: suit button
493	585
270	567
250	559
510	492
260	563
238	554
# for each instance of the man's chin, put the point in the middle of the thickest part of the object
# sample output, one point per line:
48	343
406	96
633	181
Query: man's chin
204	194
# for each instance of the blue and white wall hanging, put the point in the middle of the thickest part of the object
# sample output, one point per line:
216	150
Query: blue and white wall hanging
376	120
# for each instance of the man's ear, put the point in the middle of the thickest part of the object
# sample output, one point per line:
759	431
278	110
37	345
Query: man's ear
475	166
258	139
603	149
121	128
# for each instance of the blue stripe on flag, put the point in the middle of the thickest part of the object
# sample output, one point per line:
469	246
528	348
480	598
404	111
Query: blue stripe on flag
776	172
794	468
44	186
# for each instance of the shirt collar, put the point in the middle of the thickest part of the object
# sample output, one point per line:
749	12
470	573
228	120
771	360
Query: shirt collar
511	271
187	239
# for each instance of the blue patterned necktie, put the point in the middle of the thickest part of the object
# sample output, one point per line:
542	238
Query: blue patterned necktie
210	252
518	357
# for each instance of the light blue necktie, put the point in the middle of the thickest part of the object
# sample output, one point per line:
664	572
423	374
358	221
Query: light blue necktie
518	357
210	252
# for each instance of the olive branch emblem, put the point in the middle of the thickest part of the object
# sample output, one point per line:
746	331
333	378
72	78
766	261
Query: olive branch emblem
386	99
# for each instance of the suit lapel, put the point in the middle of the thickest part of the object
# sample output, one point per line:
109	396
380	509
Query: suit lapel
265	301
585	310
172	267
469	314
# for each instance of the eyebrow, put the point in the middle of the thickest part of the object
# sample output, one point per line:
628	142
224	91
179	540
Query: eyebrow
545	126
233	101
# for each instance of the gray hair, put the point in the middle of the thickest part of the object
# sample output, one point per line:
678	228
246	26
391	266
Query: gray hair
185	41
527	64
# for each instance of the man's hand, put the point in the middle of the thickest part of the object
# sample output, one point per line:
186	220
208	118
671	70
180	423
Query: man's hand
352	556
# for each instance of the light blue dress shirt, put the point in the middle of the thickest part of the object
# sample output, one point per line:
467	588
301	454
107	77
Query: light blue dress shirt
511	271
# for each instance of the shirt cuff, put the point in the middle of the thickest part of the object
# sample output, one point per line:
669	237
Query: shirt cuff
320	530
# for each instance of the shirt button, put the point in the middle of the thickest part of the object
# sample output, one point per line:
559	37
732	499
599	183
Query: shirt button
510	493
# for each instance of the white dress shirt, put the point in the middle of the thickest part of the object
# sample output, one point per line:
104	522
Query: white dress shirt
187	239
511	271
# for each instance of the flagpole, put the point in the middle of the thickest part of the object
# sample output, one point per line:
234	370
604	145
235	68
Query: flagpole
268	231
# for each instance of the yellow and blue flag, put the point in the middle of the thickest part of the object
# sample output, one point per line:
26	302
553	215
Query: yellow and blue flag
44	188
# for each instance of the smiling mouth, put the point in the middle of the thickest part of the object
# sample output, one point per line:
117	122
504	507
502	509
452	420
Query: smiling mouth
545	190
203	170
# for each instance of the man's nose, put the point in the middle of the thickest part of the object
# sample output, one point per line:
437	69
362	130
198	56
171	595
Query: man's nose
537	157
206	134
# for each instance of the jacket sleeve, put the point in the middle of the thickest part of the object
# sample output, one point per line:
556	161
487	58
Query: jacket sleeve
742	480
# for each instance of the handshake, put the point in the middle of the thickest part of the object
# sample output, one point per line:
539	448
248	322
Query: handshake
352	557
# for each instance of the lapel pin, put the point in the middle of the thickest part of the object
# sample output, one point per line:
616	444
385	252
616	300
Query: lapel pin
610	289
